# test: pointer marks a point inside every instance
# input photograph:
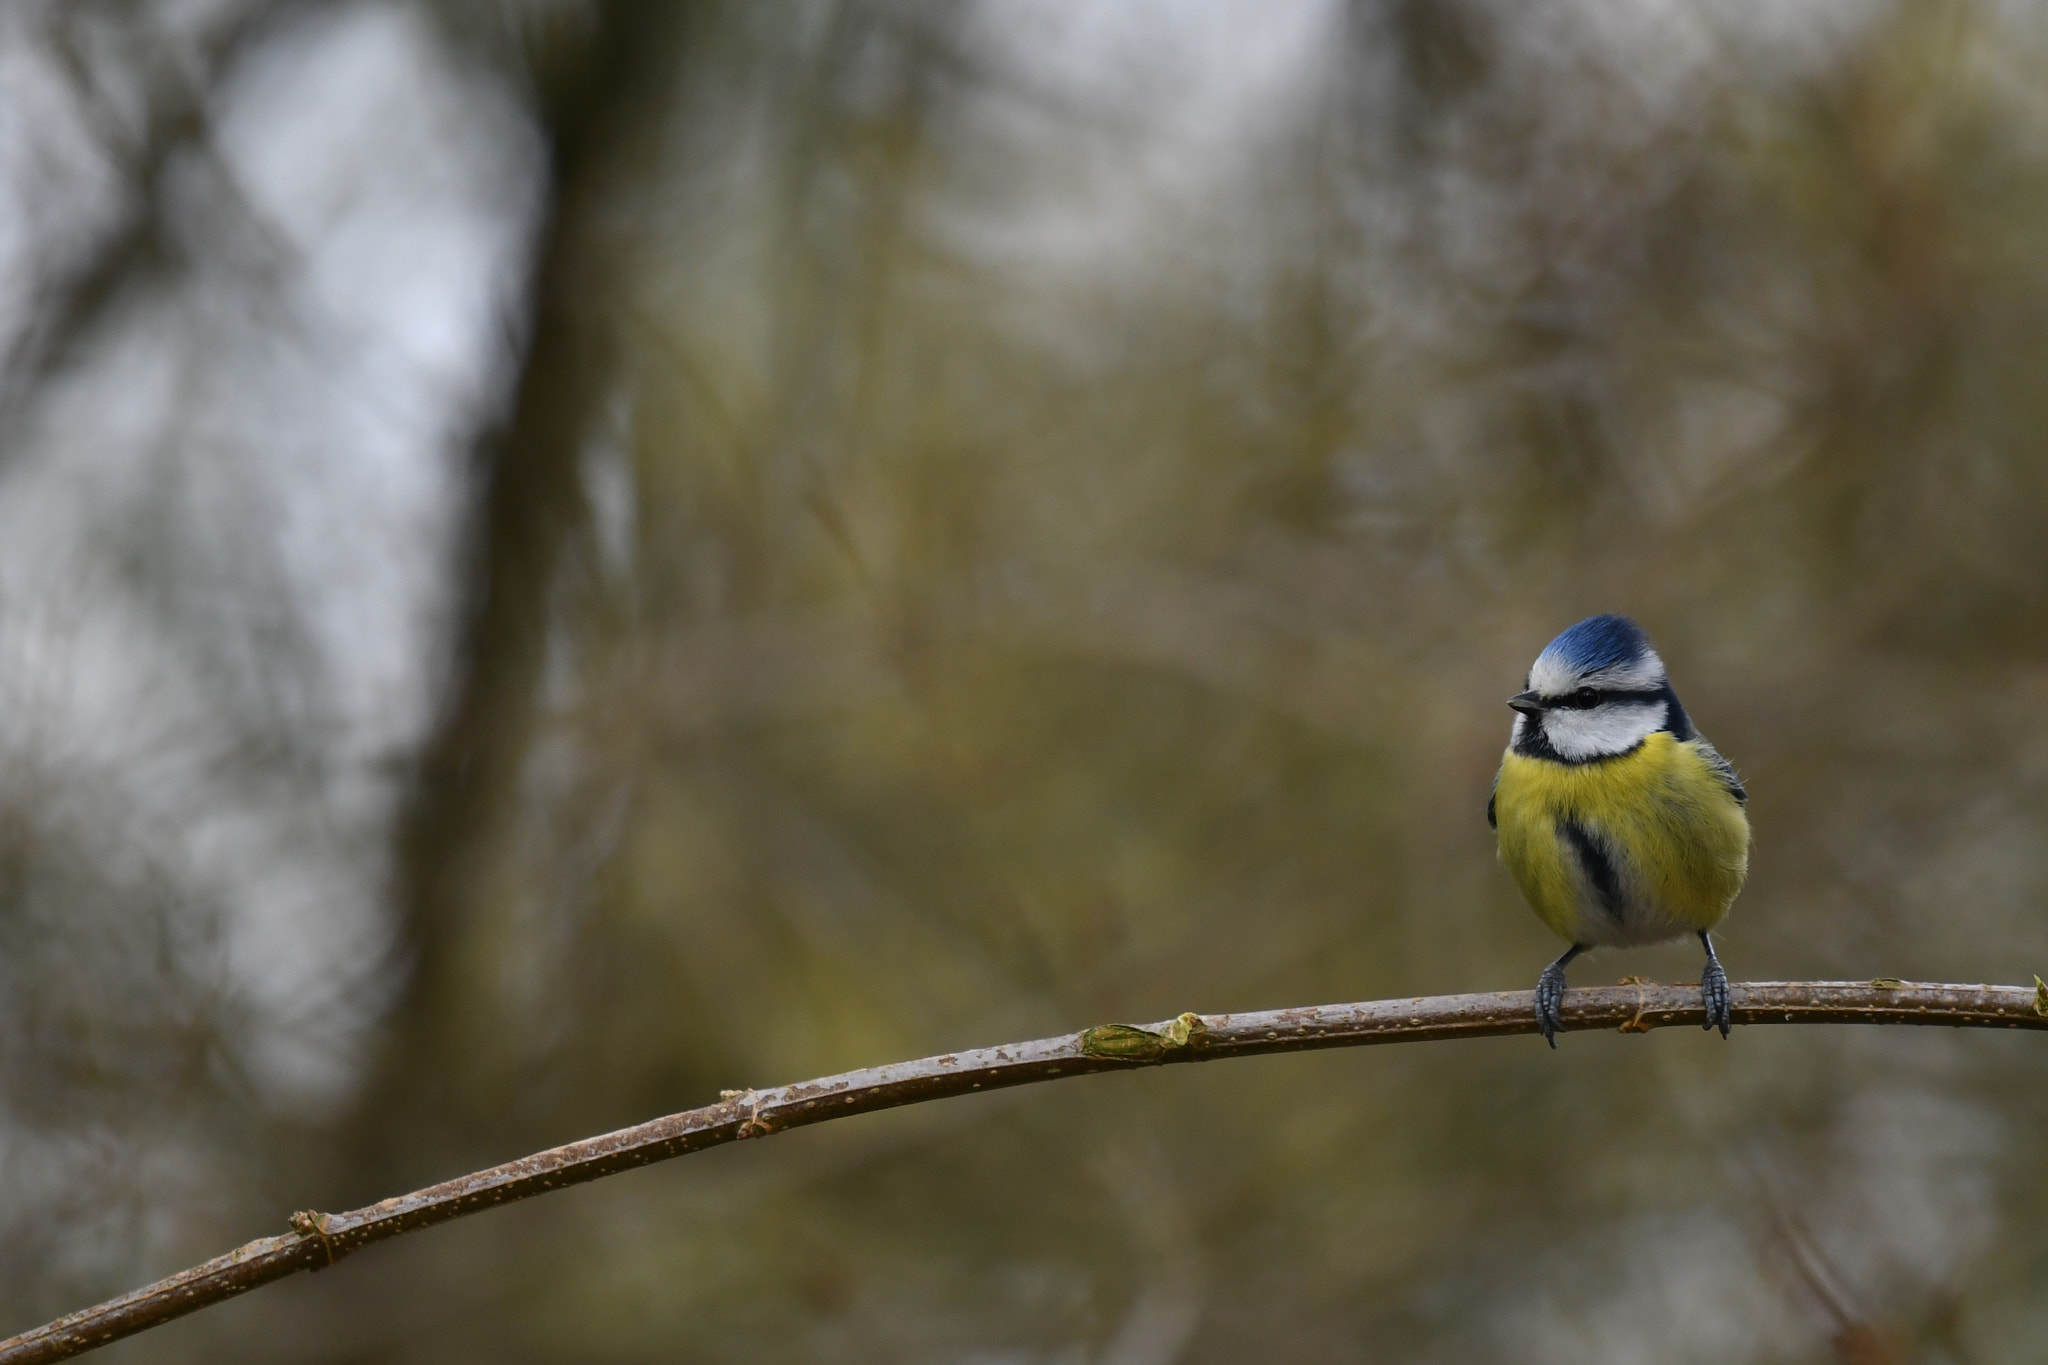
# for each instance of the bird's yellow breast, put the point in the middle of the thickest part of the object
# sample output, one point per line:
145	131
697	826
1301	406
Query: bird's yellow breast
1639	848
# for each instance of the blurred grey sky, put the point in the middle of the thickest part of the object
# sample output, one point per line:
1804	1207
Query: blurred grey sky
233	502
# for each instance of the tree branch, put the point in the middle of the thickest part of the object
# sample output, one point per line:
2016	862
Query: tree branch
320	1239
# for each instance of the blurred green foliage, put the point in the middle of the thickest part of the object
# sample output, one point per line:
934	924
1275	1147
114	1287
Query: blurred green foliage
985	544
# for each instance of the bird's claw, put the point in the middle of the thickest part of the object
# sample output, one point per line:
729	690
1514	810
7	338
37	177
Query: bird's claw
1550	1003
1714	996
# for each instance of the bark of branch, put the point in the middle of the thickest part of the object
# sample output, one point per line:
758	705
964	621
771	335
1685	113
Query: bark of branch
320	1239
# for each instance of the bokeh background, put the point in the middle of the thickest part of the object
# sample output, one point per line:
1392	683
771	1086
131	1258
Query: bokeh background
557	556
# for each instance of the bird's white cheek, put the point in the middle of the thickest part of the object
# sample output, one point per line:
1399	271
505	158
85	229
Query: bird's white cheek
1602	730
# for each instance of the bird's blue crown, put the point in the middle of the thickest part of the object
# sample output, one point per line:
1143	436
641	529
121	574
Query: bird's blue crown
1599	642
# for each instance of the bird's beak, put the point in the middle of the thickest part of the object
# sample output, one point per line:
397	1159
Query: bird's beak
1528	703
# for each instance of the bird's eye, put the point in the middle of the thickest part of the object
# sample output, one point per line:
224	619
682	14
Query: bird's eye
1582	699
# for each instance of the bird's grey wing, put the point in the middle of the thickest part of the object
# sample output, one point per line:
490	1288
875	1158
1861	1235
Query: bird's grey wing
1723	769
1490	822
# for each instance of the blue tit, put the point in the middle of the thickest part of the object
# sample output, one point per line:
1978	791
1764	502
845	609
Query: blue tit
1616	818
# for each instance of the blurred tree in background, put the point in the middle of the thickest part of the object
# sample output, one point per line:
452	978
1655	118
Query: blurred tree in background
556	557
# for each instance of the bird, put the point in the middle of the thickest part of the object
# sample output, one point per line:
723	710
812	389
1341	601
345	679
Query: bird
1616	818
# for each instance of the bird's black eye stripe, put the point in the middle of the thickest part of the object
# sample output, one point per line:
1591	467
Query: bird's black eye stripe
1587	697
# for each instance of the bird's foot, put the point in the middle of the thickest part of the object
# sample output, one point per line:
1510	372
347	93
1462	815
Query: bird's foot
1714	995
1550	1002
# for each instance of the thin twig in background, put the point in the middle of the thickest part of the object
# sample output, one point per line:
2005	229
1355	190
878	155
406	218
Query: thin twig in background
320	1239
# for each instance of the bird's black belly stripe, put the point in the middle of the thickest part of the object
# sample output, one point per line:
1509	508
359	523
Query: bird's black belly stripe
1600	873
